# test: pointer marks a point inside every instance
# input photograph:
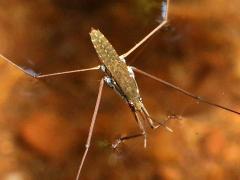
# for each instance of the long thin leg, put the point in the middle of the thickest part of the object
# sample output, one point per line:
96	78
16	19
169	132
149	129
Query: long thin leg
67	72
164	19
198	98
151	121
87	145
143	133
141	126
129	137
31	73
124	138
152	125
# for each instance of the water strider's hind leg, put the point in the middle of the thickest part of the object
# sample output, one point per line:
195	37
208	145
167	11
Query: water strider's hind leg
91	127
164	19
39	76
125	138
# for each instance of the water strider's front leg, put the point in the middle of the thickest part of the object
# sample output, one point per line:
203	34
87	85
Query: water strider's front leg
154	125
125	138
40	76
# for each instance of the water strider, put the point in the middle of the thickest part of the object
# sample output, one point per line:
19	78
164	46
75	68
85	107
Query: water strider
120	77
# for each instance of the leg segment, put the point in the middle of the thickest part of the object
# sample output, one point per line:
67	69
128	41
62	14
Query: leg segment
146	114
141	126
164	19
143	133
67	72
31	73
124	138
198	98
91	128
151	121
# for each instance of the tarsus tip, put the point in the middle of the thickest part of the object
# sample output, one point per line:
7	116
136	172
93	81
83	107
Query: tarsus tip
169	129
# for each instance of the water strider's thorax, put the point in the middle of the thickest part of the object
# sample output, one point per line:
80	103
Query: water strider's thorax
119	76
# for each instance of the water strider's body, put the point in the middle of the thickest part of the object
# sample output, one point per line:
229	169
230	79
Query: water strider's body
119	76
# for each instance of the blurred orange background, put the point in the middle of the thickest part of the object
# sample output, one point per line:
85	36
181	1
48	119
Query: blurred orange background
44	124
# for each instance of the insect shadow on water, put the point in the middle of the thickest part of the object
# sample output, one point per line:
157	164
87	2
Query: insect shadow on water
121	78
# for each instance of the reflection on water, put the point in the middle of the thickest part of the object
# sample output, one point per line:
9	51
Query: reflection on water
44	124
30	72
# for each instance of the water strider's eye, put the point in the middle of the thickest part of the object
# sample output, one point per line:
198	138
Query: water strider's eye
131	105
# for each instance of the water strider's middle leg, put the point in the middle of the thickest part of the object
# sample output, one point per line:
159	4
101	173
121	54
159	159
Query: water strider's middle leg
87	145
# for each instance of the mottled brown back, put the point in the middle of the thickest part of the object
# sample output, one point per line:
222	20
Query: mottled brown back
118	68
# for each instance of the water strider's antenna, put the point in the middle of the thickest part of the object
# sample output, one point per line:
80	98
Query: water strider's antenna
164	18
198	98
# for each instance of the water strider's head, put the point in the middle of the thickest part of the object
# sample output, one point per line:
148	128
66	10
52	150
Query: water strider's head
136	104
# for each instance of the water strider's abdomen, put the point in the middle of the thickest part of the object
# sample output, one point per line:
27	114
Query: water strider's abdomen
117	68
